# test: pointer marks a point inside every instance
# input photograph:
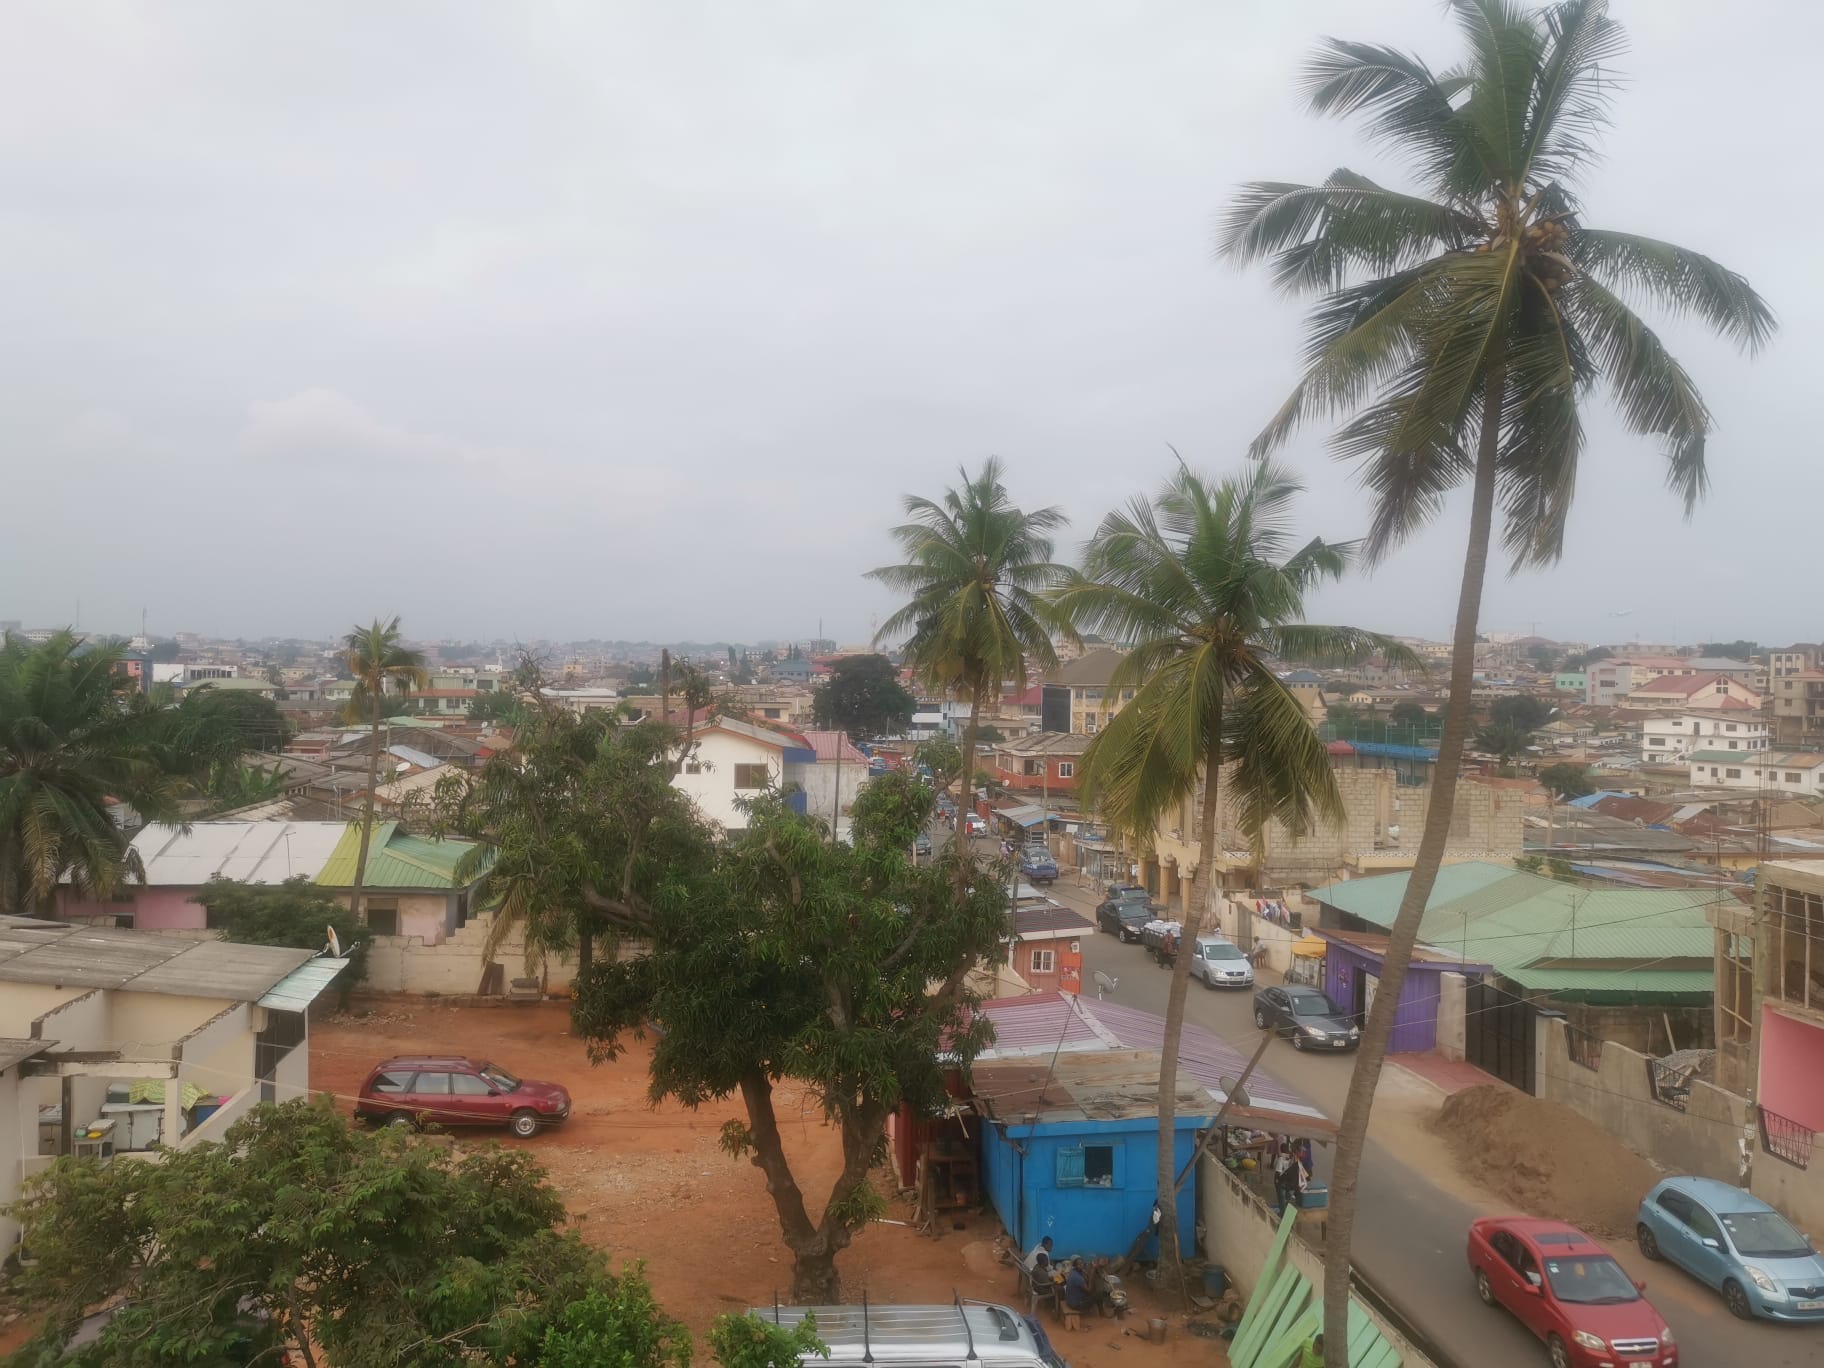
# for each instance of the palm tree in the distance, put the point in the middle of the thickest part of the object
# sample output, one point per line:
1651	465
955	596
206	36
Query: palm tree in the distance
976	571
1462	330
376	656
1207	584
75	733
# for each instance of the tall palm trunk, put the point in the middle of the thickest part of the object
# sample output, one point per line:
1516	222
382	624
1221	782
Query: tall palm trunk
367	813
970	741
1171	1277
1352	1136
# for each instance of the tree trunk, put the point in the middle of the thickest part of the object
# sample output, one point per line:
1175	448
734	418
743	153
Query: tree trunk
585	945
367	813
1352	1136
1171	1274
969	744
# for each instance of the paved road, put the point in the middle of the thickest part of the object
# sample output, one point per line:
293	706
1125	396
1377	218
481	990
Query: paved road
1410	1229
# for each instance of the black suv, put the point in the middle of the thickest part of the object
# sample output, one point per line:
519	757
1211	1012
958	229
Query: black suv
1124	912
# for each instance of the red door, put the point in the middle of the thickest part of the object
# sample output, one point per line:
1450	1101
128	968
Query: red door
479	1104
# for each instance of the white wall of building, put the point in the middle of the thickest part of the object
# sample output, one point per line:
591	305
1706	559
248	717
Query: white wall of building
1673	736
710	776
1758	772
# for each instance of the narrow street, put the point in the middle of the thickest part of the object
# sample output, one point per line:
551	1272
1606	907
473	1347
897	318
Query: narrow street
1414	1213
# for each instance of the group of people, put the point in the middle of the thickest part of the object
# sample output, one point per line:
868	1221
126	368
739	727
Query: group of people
1291	1175
1081	1289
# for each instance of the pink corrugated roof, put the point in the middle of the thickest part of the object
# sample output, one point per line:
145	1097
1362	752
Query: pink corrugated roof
1047	1022
829	745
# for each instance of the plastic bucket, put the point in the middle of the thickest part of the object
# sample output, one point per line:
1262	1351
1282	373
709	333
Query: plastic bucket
1215	1280
1155	1330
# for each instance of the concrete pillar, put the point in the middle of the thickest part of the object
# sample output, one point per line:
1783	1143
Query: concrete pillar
1452	1003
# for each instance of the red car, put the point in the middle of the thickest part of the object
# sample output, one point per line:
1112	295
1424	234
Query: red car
1567	1290
446	1090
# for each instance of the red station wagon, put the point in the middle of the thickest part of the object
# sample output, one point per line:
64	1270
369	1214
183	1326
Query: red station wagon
1570	1292
446	1090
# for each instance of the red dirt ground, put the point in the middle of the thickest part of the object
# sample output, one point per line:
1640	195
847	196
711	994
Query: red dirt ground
652	1183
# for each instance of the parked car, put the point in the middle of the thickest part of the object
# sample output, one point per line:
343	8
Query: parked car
1736	1243
447	1090
1570	1292
1220	964
1131	892
974	825
1037	865
1123	920
1308	1016
922	846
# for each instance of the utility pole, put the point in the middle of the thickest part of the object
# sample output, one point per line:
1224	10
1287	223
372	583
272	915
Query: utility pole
665	685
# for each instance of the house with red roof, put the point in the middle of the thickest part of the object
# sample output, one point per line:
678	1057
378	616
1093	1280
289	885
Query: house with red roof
1711	691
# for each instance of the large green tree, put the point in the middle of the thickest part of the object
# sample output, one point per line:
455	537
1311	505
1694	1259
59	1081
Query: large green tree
1463	329
976	571
1208	585
578	827
841	969
300	1232
75	732
863	697
379	660
1506	741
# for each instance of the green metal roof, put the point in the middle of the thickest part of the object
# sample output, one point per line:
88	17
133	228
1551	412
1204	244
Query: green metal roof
1521	923
395	859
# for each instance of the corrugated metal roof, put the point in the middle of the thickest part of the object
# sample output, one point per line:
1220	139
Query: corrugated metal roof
1666	983
141	962
829	746
1047	1024
1513	920
394	860
303	985
412	756
221	969
251	852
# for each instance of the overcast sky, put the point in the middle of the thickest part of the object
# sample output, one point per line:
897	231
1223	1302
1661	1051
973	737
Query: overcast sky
580	320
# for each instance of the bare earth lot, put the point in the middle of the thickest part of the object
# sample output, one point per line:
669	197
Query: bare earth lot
652	1183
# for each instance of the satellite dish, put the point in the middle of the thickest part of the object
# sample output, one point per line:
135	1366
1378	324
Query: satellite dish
335	944
1232	1089
1104	984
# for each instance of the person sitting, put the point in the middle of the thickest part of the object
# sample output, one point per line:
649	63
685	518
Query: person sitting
1312	1354
1040	1257
1079	1296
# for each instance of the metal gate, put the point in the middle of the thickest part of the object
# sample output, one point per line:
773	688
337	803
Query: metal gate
1498	1034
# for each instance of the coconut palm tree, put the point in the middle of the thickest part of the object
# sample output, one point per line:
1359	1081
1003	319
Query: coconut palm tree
1206	584
976	571
1506	741
1462	329
376	656
75	733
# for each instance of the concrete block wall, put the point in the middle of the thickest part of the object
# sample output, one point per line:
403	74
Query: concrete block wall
1453	1015
409	964
1238	1233
1706	1139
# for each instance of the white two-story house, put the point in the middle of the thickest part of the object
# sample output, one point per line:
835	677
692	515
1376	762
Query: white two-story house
1671	737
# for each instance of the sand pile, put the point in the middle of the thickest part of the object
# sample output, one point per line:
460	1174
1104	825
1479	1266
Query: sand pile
1545	1159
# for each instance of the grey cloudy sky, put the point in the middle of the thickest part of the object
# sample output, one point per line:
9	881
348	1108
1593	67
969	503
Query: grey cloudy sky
619	320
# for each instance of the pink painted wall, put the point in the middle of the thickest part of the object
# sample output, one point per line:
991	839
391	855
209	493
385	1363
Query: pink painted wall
153	909
1792	1069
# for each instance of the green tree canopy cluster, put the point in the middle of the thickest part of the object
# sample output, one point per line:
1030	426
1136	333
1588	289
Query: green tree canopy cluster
863	697
347	1247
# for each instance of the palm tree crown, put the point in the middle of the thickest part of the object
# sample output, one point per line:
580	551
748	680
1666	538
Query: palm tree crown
76	733
976	570
1486	301
1207	586
376	656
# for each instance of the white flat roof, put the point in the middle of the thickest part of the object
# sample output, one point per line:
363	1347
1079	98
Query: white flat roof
251	852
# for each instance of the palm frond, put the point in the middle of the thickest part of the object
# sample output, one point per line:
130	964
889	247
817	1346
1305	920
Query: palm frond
1680	281
1409	110
1506	51
1319	234
1570	104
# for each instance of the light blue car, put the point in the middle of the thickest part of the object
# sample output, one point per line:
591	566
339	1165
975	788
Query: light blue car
1738	1244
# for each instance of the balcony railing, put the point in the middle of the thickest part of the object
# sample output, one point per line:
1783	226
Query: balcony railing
1584	1048
1669	1085
1784	1138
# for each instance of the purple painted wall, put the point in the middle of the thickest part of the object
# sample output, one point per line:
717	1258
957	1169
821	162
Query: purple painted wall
1415	1026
